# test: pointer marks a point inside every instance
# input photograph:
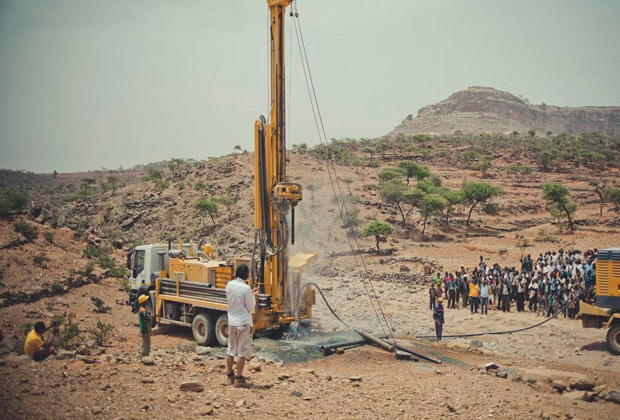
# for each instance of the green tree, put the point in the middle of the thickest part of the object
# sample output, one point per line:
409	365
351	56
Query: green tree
599	189
546	158
404	198
388	174
87	182
453	198
204	208
350	217
175	165
112	180
520	171
484	165
348	182
475	193
532	134
413	170
200	187
229	201
430	205
558	201
612	195
237	148
377	229
312	187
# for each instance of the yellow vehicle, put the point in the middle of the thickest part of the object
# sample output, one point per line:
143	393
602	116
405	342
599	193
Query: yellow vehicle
605	313
190	288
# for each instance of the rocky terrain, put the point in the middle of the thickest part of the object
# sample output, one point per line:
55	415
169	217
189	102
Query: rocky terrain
487	110
556	371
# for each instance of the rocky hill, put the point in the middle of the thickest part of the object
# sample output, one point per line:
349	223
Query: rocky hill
487	110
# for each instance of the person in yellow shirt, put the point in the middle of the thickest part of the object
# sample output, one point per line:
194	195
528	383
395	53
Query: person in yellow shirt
35	346
474	295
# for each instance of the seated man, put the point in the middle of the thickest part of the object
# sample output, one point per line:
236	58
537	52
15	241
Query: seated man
35	346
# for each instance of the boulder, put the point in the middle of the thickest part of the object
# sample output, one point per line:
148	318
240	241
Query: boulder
148	361
355	378
191	386
65	354
476	344
582	385
502	374
491	366
558	385
203	351
614	396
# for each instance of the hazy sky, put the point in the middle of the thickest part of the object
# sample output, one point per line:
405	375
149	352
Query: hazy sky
89	83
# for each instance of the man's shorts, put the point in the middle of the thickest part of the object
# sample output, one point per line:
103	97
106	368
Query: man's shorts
240	341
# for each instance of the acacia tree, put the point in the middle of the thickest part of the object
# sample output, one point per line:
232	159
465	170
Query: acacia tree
430	205
388	174
413	170
612	195
377	229
453	198
200	187
483	166
204	207
312	187
558	201
112	180
87	182
475	193
348	182
600	191
229	202
398	194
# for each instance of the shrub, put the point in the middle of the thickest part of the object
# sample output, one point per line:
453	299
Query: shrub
29	231
101	332
100	306
56	287
41	260
87	270
68	336
27	327
13	201
49	237
123	283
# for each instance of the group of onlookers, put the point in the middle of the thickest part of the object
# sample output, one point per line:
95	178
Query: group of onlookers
553	281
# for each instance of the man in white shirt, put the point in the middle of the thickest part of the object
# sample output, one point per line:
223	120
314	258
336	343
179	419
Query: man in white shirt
241	302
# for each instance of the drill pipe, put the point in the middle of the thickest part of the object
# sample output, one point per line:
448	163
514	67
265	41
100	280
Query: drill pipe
328	349
381	343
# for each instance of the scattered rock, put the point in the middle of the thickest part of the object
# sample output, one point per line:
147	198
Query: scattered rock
240	403
191	386
614	396
96	410
148	361
207	411
476	344
148	380
83	350
203	351
404	269
502	250
502	374
284	376
582	385
491	366
296	394
559	386
339	350
451	408
355	378
64	354
255	366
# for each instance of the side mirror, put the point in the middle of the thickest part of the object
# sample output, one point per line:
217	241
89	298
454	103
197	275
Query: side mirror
129	254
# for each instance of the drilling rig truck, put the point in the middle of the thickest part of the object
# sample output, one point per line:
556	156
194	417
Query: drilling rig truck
187	283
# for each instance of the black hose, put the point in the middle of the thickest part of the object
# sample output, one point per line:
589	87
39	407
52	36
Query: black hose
512	331
316	286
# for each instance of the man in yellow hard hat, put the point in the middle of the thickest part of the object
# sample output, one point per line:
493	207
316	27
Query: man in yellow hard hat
145	324
438	318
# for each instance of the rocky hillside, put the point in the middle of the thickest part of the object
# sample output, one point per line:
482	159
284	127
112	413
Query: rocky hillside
487	110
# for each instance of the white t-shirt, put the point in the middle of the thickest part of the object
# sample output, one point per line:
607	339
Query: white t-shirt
241	303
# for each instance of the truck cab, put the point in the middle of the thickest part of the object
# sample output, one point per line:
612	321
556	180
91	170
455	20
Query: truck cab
144	265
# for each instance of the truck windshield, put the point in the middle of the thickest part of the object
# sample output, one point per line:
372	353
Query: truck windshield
138	261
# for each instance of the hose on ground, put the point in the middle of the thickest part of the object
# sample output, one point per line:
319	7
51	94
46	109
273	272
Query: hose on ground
316	286
518	329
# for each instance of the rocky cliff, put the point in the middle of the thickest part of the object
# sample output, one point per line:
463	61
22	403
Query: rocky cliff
487	110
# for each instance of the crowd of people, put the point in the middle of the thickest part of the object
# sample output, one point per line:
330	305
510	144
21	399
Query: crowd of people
553	281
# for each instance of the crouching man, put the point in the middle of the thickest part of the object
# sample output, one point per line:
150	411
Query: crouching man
36	347
241	302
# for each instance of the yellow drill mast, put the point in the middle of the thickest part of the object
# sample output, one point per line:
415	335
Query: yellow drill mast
274	196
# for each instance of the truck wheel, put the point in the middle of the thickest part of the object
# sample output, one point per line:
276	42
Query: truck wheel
221	330
613	339
203	329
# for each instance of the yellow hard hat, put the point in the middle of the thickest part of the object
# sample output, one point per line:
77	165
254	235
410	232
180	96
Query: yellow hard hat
440	300
142	299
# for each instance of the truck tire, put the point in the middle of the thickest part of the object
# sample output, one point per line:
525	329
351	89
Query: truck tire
613	339
221	330
203	329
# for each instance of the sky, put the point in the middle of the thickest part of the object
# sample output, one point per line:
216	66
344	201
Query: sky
86	84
